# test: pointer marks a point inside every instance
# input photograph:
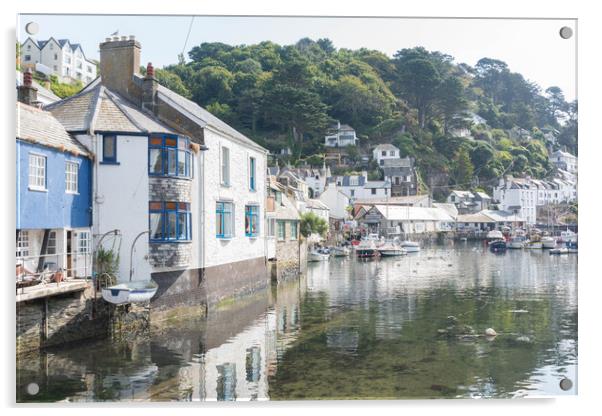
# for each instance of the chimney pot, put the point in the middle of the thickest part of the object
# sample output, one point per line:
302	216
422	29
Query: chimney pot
107	39
27	78
132	37
124	38
115	38
150	70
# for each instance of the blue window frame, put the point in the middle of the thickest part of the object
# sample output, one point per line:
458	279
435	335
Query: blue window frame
169	155
109	149
251	220
224	216
252	178
170	221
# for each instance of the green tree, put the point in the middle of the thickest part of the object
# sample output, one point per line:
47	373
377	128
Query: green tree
464	169
312	224
451	102
418	81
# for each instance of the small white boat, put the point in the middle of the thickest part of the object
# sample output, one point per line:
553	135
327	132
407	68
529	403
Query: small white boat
548	242
315	255
391	250
130	292
410	246
517	242
366	248
559	250
538	245
340	251
567	236
495	235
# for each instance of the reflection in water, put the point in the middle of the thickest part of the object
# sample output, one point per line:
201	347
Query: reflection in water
350	329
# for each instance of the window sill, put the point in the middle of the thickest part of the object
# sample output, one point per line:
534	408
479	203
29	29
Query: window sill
103	162
224	238
170	241
71	193
35	189
252	237
225	185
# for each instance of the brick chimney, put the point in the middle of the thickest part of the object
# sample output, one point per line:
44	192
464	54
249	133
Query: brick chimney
119	61
27	93
149	88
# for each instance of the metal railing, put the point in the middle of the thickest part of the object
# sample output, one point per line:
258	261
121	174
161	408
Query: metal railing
53	268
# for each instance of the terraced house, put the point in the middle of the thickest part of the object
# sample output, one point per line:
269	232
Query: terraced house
166	166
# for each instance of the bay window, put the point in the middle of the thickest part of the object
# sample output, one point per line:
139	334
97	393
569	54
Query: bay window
169	155
170	221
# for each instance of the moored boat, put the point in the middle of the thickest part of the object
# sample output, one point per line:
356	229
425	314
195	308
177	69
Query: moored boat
391	250
559	250
410	246
548	242
340	251
497	245
571	246
534	244
130	292
316	255
366	248
517	242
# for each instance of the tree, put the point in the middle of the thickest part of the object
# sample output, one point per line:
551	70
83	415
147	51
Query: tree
312	224
418	81
451	101
464	169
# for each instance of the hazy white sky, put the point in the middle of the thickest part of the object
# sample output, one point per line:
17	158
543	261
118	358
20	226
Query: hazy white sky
531	47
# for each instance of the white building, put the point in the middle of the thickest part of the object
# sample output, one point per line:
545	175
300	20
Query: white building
518	195
565	161
395	220
385	151
359	187
60	57
341	135
164	164
337	202
314	178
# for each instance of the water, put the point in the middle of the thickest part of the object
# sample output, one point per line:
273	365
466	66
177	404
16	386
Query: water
349	329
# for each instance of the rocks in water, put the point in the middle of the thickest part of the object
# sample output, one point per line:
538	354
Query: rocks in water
452	320
523	339
490	332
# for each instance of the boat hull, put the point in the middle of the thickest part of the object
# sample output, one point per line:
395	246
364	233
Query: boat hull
535	245
130	292
560	250
392	252
366	252
318	257
515	245
497	246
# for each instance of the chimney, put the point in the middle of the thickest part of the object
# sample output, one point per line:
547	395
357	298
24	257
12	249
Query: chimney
27	93
149	88
119	61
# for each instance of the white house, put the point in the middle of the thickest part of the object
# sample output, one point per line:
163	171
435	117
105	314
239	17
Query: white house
385	151
336	201
60	57
341	135
167	167
565	161
359	187
518	195
314	178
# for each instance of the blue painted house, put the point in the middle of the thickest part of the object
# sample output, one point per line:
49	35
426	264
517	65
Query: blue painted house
54	180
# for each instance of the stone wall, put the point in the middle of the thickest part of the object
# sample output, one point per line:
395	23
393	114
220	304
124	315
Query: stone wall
236	279
170	255
169	189
180	292
60	319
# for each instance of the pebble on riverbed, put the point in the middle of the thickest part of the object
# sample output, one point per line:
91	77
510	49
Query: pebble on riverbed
490	332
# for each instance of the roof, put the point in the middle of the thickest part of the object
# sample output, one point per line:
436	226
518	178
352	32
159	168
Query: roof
477	217
40	127
398	213
482	195
316	204
98	109
346	180
386	146
405	162
45	96
286	210
502	216
451	209
394	200
377	185
462	194
201	116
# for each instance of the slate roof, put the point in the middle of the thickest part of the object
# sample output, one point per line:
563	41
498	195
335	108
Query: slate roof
286	210
97	109
502	216
394	200
316	204
405	162
477	217
40	127
398	213
346	180
45	96
377	185
385	146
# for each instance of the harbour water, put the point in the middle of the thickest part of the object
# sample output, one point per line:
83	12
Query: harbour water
349	329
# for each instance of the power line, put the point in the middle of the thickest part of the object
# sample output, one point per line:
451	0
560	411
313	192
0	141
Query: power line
187	36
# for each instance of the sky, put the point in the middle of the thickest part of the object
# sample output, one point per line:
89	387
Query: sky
529	46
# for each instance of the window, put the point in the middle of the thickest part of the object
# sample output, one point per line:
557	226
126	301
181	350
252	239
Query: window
71	172
51	245
384	153
251	220
281	231
56	57
170	221
22	243
224	219
352	192
109	149
225	166
278	197
252	169
271	227
169	155
392	153
28	47
373	191
28	57
293	230
51	46
37	172
89	69
83	242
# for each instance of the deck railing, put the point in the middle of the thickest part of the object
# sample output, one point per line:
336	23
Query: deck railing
28	272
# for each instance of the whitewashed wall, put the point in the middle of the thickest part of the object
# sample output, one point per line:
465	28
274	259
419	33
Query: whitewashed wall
239	247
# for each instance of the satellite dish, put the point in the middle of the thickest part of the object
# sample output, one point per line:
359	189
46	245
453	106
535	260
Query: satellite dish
32	28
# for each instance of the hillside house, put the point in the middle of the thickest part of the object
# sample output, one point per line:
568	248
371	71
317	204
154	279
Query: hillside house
402	176
385	151
340	135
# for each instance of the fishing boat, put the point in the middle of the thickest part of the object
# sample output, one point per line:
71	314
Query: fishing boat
340	251
537	245
497	245
130	292
390	249
366	248
410	246
494	235
548	242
